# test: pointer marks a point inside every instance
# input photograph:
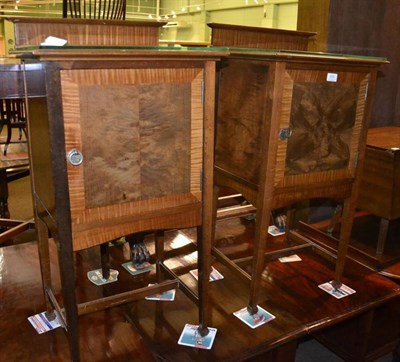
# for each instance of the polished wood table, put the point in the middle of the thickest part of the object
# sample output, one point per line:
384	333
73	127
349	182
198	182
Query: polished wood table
288	290
149	330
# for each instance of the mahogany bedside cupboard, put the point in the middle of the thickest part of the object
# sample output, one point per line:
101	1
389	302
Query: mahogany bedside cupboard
291	126
122	143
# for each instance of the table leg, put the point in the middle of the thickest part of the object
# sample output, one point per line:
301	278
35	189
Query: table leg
4	212
382	236
159	246
364	333
105	260
396	354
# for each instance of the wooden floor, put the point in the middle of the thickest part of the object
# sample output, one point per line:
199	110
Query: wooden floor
149	331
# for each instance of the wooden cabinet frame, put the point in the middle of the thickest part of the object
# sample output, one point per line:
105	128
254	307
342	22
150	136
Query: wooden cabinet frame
291	127
129	115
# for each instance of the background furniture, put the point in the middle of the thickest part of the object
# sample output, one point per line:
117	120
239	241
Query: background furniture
33	31
362	27
12	168
291	126
239	36
13	116
13	97
18	83
95	9
376	229
380	181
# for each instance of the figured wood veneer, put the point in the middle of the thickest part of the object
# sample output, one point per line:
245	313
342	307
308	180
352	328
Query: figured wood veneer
321	119
132	127
145	152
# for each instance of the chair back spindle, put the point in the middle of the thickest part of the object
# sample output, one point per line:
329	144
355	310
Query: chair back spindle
12	115
96	9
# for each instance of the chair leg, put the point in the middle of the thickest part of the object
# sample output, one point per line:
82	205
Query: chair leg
159	246
335	219
9	116
396	354
105	260
4	211
139	251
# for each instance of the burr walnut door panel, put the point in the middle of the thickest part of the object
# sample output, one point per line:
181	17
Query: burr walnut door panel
139	135
320	120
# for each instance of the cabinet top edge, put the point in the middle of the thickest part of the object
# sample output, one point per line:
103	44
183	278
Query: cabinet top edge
87	22
171	52
304	56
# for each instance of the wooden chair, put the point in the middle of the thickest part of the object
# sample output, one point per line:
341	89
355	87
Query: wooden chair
95	9
13	115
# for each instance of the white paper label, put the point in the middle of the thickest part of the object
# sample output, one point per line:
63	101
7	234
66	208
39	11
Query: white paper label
331	77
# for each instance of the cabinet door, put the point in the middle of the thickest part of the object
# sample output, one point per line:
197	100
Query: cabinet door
321	119
139	133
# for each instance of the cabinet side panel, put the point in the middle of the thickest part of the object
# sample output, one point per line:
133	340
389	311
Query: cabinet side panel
241	107
40	157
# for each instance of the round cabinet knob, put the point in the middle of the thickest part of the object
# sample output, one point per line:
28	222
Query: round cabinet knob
285	133
75	157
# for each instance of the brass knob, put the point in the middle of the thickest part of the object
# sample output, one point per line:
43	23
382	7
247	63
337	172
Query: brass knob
75	157
285	133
